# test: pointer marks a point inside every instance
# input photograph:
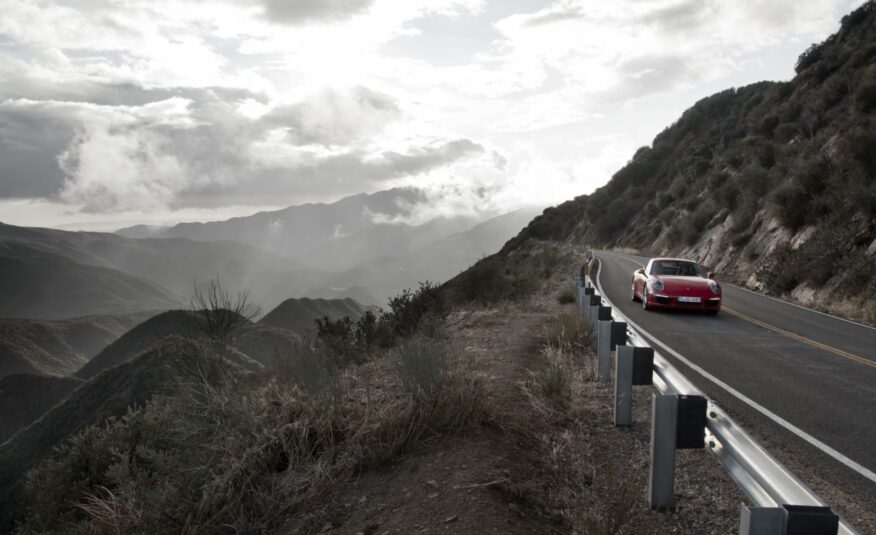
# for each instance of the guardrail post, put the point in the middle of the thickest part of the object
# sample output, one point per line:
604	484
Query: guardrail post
584	301
597	314
592	316
603	349
661	481
810	520
623	386
632	366
610	336
762	520
788	520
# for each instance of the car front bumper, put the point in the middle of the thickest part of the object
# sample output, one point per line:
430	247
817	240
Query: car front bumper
658	300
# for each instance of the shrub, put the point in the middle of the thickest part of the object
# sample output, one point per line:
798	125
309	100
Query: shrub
407	309
237	457
779	272
792	205
566	332
745	213
552	378
424	364
355	341
865	98
566	296
409	313
768	125
808	57
664	198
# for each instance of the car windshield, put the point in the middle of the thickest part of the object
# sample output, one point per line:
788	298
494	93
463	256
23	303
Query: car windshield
676	267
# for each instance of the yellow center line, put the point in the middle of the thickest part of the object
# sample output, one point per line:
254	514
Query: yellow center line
803	339
789	334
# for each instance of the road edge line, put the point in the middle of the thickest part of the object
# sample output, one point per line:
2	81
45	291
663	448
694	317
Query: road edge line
788	426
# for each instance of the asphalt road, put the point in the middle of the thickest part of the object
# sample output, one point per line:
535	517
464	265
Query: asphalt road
816	371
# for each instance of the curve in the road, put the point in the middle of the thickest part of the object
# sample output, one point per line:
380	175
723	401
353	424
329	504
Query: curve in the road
785	378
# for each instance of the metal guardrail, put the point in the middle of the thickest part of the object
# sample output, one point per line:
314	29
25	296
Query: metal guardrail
767	482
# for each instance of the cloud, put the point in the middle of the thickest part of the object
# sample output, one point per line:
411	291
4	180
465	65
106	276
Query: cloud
679	17
333	117
31	137
297	11
189	105
208	150
555	13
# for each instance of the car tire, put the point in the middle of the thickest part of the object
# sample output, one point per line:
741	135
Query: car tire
645	304
633	295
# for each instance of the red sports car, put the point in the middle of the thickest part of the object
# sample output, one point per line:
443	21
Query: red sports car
676	283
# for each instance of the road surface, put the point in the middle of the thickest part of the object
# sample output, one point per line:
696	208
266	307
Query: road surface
814	371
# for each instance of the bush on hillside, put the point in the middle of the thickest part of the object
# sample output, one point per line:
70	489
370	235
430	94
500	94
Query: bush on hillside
566	296
409	312
242	456
793	205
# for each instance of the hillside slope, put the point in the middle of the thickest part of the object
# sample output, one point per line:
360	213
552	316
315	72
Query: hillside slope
24	398
109	394
254	343
41	285
300	315
173	264
58	347
770	184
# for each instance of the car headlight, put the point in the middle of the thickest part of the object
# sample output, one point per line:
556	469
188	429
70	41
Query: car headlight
657	285
715	287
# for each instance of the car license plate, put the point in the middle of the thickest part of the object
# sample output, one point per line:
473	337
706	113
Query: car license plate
685	299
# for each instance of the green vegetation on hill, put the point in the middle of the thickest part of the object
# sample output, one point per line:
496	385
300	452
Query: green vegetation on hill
58	347
234	448
109	394
773	183
256	343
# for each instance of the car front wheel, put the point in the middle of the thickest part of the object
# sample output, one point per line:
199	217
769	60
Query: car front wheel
633	295
645	304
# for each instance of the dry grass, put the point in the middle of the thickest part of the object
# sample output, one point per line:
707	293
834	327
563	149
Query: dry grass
567	295
564	331
552	378
238	456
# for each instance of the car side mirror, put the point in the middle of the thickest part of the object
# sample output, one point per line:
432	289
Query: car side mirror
640	271
710	275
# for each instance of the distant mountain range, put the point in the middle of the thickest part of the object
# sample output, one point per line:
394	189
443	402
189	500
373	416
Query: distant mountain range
357	247
438	261
328	237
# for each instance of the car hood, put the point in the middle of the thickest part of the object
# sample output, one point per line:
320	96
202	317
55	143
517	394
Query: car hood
682	284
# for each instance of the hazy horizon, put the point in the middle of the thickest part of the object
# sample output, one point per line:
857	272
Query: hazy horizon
160	112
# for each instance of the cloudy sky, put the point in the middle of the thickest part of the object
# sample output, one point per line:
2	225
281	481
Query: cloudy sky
127	111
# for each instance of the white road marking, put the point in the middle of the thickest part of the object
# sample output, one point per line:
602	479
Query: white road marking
860	469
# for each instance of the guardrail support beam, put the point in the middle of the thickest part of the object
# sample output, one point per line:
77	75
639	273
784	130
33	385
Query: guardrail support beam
762	520
592	317
623	386
603	350
661	483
